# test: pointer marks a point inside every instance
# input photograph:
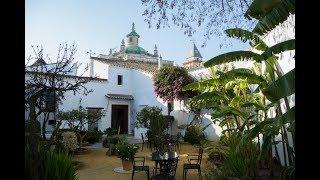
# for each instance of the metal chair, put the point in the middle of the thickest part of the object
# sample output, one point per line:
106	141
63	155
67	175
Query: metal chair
141	167
194	162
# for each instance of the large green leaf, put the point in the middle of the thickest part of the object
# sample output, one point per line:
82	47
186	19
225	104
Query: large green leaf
244	35
270	67
259	8
258	106
233	56
247	74
200	85
279	48
255	131
287	117
283	87
277	15
213	95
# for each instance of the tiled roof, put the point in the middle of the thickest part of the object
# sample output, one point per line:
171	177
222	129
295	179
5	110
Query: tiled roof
120	96
68	76
147	66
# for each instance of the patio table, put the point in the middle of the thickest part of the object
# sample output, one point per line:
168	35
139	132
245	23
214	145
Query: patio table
160	157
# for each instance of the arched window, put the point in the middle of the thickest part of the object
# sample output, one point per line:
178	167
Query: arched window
130	39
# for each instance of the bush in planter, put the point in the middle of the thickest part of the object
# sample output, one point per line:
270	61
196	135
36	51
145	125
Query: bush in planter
93	136
115	139
110	142
110	131
126	153
194	134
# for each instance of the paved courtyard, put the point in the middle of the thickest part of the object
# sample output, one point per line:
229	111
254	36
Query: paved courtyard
98	166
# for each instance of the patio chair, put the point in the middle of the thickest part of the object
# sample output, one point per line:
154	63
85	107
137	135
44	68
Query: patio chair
167	171
194	162
138	165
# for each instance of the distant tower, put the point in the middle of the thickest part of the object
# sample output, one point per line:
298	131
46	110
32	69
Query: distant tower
155	51
133	37
194	59
122	47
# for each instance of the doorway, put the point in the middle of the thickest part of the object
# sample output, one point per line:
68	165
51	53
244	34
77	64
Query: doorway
119	118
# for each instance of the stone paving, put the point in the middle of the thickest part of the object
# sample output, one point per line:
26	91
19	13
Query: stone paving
97	165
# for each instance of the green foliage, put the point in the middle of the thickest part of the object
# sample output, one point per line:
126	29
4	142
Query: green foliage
28	127
57	166
260	8
156	123
93	136
244	35
283	87
54	165
115	139
231	158
126	151
194	134
279	48
277	15
69	141
110	131
233	56
152	119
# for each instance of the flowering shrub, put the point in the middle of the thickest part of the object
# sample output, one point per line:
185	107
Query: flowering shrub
168	83
69	141
126	151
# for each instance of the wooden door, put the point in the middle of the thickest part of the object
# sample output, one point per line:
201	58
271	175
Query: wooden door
119	118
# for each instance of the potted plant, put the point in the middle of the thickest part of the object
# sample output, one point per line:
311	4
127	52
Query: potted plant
126	153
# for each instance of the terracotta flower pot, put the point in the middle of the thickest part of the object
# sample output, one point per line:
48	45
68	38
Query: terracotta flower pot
126	165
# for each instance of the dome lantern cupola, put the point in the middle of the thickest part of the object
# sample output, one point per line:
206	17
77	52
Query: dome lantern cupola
133	37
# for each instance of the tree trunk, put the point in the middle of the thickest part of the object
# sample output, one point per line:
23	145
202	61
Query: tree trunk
45	120
34	155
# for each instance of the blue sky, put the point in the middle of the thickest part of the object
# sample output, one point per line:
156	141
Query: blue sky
101	24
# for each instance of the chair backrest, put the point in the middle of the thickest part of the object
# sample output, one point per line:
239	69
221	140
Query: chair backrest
200	155
136	161
142	137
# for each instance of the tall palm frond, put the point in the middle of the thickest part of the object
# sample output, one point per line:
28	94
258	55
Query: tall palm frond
259	8
279	48
277	15
244	35
202	85
234	56
248	75
283	87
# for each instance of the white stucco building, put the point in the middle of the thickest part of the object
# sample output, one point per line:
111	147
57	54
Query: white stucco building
122	85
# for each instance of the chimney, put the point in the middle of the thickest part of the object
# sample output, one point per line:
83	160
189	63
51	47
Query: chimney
91	68
159	62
